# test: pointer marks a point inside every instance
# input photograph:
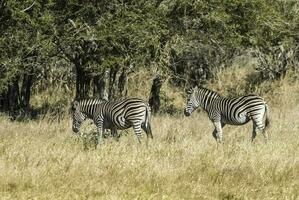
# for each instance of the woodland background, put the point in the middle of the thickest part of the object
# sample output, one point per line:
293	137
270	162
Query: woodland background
60	50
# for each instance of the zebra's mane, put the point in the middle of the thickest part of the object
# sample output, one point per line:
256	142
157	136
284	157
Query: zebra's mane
94	101
215	94
80	102
90	99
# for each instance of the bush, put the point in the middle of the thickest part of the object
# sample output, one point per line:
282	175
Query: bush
275	63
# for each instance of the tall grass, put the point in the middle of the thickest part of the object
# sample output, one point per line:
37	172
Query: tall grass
43	160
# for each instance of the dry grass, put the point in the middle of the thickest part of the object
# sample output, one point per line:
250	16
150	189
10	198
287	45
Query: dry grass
42	160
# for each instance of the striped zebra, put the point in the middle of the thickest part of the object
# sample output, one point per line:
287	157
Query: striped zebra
233	111
113	115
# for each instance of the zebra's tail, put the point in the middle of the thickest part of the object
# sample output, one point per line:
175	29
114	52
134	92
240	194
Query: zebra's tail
147	126
267	121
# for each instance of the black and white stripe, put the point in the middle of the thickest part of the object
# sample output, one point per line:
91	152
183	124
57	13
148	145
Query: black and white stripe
233	111
113	115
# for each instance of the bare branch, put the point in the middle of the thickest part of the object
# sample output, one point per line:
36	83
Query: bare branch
73	23
29	7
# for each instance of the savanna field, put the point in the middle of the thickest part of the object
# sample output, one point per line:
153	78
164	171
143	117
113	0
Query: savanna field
53	52
42	159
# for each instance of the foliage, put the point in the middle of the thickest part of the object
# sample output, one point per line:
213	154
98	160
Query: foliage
278	62
96	44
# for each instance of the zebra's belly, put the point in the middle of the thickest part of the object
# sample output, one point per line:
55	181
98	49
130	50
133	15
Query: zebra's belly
241	120
119	125
125	126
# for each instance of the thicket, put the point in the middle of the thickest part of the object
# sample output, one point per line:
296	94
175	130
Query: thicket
91	46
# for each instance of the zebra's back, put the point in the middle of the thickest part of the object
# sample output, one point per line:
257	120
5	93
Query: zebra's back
123	113
240	110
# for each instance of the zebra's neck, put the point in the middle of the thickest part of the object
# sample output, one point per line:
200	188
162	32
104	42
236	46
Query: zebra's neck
88	106
206	97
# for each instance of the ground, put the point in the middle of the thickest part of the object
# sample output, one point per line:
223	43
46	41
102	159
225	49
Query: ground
43	160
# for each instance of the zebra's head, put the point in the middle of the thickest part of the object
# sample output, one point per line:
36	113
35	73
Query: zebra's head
192	102
78	116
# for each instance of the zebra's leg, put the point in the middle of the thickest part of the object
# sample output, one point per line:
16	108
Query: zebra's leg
84	140
265	134
148	130
137	130
258	124
100	130
94	138
253	131
217	133
106	134
115	134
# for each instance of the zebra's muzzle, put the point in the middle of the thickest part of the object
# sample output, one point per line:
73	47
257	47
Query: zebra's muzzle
75	130
187	114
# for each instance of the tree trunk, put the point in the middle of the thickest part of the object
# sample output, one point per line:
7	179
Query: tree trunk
99	86
154	100
122	81
25	92
1	102
82	83
112	82
11	102
15	98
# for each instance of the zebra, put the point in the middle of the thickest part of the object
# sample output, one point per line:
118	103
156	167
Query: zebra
113	115
233	111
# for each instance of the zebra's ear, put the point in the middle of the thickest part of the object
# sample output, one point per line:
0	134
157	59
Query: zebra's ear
105	98
189	90
75	104
201	87
196	88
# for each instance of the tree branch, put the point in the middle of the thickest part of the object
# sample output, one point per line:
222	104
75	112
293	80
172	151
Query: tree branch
29	7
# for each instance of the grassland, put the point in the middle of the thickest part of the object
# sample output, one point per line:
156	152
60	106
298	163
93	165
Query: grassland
43	160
